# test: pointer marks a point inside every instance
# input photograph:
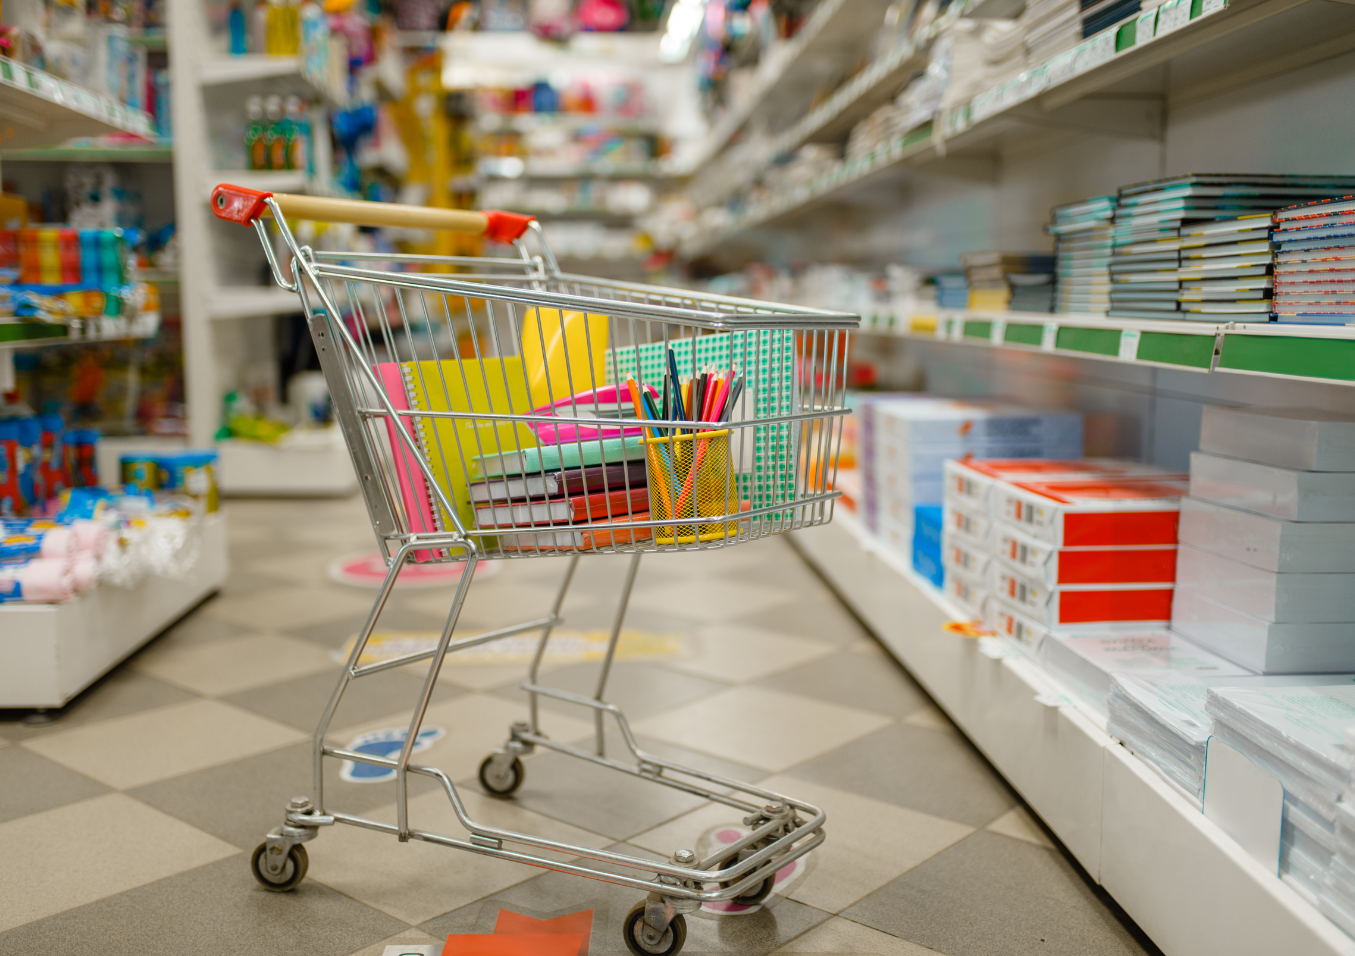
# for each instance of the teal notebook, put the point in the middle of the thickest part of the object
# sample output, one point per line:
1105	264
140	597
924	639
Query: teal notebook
556	457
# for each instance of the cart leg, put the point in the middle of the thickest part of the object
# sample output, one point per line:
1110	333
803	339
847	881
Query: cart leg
430	681
541	645
611	647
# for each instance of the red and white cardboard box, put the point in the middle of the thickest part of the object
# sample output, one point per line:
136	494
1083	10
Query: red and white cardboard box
965	556
970	593
1043	562
1062	606
1091	513
972	480
966	520
1010	622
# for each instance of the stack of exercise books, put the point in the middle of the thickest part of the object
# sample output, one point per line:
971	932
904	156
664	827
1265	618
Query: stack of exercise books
952	291
1315	262
1225	270
1082	237
992	277
1149	271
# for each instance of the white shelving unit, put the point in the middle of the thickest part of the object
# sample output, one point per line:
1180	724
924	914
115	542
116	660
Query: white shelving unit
49	653
226	319
1190	887
39	109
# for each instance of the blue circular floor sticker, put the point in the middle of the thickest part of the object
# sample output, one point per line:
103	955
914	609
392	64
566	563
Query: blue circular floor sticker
383	743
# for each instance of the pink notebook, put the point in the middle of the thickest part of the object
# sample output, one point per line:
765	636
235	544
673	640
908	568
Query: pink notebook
413	487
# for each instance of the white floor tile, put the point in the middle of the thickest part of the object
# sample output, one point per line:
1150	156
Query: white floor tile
63	858
842	937
708	599
301	567
1017	823
164	742
761	727
733	653
292	606
233	664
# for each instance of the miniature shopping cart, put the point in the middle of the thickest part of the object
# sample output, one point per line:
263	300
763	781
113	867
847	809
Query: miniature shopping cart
500	408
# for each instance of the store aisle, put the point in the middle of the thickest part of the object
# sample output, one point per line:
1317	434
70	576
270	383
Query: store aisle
125	825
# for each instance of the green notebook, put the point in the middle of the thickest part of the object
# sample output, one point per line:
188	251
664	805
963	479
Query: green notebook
578	454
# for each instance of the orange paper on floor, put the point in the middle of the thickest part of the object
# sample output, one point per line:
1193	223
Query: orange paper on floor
579	924
514	944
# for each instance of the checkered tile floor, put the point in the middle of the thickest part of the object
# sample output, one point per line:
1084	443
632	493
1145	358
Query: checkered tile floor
125	825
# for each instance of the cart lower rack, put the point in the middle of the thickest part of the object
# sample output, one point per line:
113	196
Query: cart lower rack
499	408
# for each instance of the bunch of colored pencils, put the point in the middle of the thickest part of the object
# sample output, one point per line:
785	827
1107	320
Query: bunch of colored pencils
708	397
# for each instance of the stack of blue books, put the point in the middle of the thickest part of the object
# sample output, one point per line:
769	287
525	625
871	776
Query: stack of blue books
1315	262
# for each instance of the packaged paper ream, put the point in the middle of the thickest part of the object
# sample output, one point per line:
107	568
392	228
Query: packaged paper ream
1094	513
1088	660
963	555
1081	604
1264	646
1044	562
1304	439
967	521
1286	493
1010	622
1266	542
972	480
970	594
1296	597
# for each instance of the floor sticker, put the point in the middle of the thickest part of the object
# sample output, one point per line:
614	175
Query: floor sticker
565	646
367	569
383	743
786	878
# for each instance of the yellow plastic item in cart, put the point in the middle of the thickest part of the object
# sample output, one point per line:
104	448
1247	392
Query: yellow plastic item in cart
562	352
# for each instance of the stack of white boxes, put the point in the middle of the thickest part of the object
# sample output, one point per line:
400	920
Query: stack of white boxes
1266	571
909	440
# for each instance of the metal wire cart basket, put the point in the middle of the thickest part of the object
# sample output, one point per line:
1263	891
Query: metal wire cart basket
499	408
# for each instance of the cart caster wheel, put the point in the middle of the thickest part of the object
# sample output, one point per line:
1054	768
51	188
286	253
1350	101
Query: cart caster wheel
293	871
757	894
501	784
669	944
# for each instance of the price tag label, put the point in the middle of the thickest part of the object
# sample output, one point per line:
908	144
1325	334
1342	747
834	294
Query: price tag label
957	328
1129	344
1054	700
998	333
942	327
996	648
1049	336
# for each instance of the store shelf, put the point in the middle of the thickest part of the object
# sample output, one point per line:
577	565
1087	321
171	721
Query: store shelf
1186	884
787	75
38	109
150	39
1314	353
157	152
16	335
526	122
317	466
1091	89
51	652
279	75
251	302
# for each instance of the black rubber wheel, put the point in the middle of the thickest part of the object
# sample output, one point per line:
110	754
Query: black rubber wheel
293	871
670	945
500	787
757	894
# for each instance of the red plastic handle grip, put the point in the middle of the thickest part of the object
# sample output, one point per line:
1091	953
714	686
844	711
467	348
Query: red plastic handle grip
238	204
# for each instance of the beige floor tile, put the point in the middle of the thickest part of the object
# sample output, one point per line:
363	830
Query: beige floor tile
152	745
217	668
737	654
761	727
1017	823
490	676
414	943
708	599
301	567
416	881
63	858
292	606
474	726
498	602
869	843
842	937
930	717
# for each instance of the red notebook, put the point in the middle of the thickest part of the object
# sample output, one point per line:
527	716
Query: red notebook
583	509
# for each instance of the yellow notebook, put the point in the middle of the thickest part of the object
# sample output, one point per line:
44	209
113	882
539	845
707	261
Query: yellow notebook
451	444
563	353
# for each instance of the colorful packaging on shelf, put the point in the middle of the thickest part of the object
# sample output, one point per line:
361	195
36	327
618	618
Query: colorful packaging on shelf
1268	543
973	479
965	556
1010	622
140	469
40	581
31	484
1082	603
926	545
971	594
54	542
1055	566
1291	597
1286	493
55	477
971	523
191	472
11	498
81	448
1107	512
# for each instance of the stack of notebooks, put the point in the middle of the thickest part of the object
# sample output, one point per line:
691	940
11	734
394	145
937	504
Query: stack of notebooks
992	276
952	291
1048	541
1315	262
1082	236
1051	26
1151	276
1225	270
1296	734
1266	569
1337	900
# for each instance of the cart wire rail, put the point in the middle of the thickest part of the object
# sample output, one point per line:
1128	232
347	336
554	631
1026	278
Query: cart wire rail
499	408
